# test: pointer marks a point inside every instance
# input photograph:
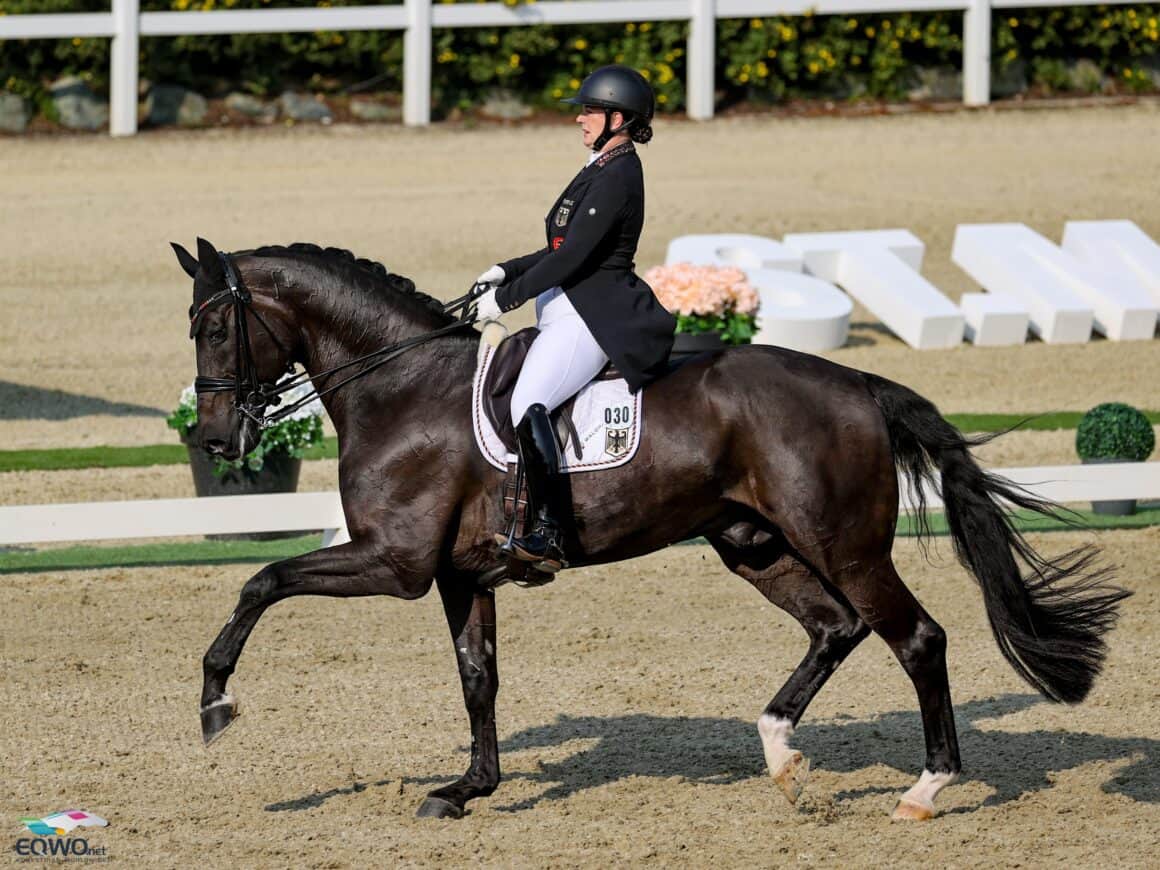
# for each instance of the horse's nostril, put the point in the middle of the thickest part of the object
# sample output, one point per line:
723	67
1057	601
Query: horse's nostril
214	446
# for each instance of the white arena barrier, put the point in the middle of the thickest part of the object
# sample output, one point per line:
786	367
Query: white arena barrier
994	319
727	249
303	511
1066	297
171	517
1120	247
880	268
800	312
1069	484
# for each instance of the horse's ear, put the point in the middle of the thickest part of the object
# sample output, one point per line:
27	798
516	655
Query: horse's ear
187	260
209	260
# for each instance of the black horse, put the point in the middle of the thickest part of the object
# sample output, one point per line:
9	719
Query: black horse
786	463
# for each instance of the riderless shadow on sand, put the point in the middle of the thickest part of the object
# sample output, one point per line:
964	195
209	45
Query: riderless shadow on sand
22	402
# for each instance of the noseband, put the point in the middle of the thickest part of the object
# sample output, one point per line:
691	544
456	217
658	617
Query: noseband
252	397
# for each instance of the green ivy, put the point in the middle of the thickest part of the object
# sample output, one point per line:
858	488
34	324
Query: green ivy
760	59
735	328
1114	431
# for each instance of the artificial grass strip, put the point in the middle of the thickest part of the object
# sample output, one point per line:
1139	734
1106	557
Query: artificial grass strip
120	457
1026	422
92	457
27	559
58	459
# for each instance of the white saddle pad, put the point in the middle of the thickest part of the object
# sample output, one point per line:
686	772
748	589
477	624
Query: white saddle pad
606	414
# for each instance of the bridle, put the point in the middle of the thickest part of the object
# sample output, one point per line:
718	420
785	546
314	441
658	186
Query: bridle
252	396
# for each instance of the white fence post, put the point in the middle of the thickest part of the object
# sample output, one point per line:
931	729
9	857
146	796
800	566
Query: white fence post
702	51
417	64
977	53
123	77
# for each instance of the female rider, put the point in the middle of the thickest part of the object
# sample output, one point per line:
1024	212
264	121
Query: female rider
590	306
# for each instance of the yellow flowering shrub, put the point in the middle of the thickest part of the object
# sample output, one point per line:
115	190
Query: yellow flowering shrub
757	59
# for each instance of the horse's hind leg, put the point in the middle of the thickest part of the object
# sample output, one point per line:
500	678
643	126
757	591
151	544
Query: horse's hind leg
471	618
834	630
919	643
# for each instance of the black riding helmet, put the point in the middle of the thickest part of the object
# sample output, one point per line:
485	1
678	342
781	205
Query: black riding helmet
621	89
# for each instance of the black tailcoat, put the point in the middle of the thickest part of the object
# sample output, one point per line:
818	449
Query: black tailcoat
593	230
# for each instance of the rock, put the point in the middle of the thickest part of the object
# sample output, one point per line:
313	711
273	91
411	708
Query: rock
76	106
854	87
171	104
1151	67
1008	80
13	113
303	107
369	110
504	105
251	107
1084	75
939	83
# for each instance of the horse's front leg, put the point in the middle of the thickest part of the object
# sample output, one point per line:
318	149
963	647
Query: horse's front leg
346	571
471	617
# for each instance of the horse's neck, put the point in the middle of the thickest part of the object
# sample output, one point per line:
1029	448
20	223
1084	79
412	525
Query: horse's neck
333	339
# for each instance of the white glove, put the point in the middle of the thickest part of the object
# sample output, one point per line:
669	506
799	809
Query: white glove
494	275
486	308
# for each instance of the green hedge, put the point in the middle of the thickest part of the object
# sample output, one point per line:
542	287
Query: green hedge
760	59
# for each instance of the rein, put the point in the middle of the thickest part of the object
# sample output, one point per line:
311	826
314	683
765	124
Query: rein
252	397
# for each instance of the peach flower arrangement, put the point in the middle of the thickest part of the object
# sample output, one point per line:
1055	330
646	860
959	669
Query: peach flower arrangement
707	299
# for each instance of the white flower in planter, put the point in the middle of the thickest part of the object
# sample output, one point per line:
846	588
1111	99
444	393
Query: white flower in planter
293	435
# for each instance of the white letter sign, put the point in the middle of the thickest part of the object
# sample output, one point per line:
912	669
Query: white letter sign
1065	297
879	268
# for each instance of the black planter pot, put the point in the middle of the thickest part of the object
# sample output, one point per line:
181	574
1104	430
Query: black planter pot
279	474
687	344
1121	507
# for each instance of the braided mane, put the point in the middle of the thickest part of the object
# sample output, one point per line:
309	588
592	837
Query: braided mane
355	270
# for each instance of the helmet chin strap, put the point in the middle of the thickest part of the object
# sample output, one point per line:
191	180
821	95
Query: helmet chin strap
608	133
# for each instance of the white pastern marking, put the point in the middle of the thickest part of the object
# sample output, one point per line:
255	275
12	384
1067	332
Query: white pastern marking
775	733
224	699
927	788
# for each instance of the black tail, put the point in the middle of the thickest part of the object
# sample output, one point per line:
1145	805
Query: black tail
1049	625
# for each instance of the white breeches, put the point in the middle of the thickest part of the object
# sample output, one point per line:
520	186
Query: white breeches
563	358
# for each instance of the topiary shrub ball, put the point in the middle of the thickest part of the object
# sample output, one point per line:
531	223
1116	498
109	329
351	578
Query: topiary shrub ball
1114	431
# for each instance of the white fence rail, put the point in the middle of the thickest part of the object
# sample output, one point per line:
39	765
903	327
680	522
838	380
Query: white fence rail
126	24
93	521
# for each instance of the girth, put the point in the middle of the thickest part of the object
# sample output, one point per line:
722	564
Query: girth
500	383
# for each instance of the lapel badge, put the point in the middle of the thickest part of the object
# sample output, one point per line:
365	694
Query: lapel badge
562	215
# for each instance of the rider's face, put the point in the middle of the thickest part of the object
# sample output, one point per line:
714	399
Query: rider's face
591	121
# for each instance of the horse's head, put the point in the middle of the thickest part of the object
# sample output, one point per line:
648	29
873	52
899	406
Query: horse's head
243	346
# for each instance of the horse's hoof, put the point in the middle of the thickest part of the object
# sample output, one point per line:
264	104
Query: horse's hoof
791	779
217	716
438	808
913	811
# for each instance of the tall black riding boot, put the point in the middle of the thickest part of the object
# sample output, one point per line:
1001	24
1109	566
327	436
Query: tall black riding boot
540	457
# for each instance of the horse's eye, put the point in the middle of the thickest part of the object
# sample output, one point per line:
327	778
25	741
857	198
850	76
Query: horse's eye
217	336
